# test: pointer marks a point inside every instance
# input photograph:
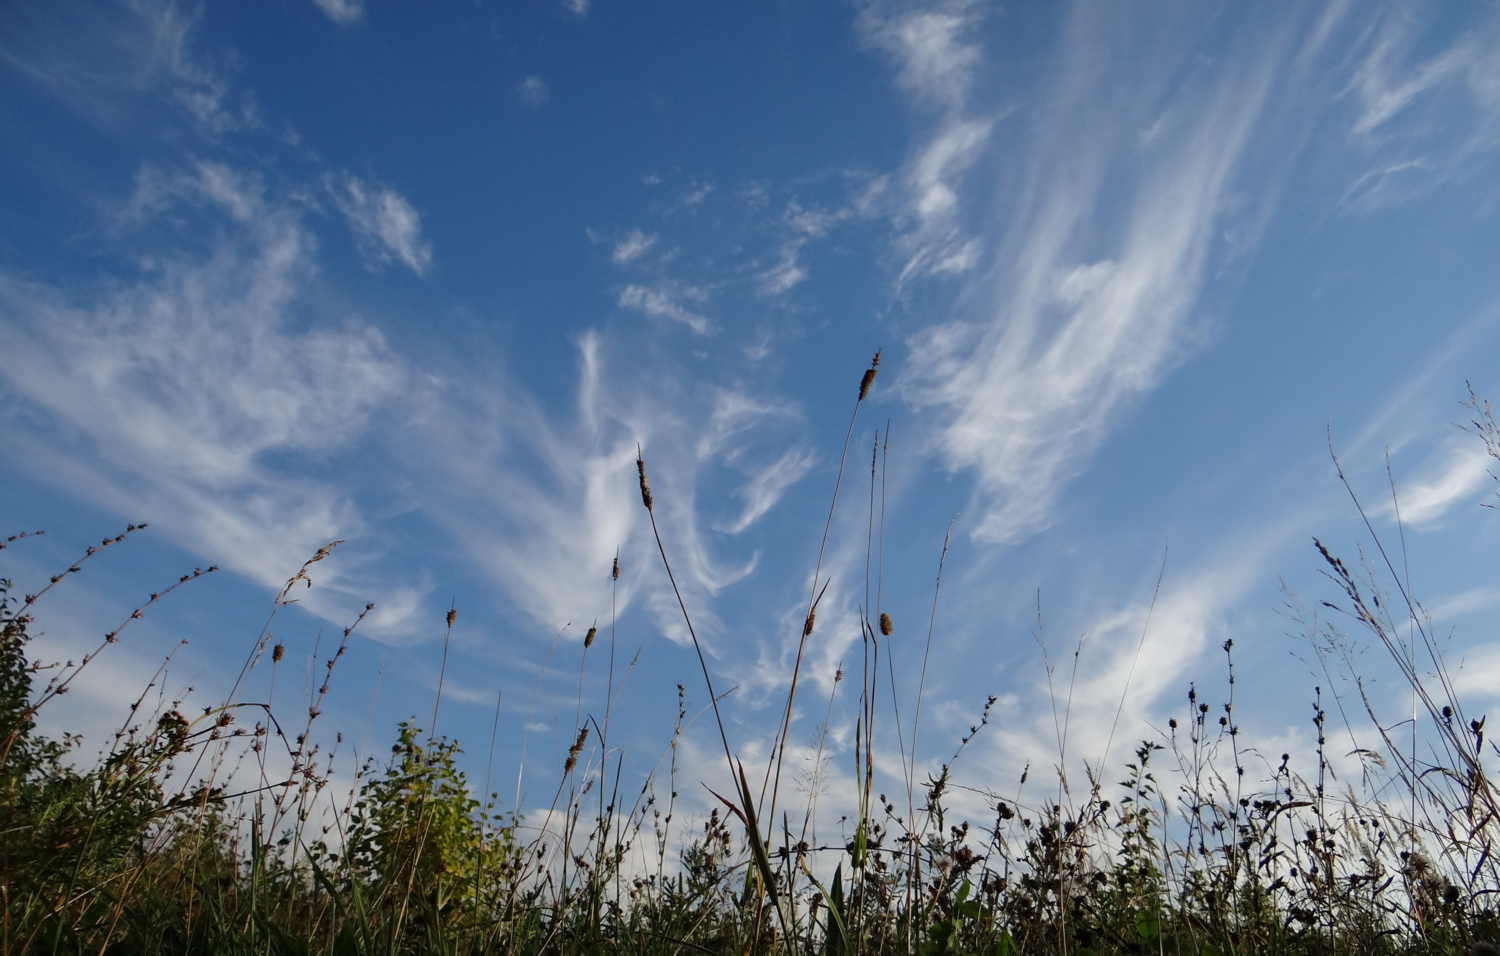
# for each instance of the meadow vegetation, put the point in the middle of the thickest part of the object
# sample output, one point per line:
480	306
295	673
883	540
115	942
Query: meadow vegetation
217	830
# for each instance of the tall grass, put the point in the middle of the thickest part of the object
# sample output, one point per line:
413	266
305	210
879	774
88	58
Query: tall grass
216	830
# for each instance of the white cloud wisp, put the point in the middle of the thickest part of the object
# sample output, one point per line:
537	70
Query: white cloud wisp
343	12
1074	327
386	226
164	397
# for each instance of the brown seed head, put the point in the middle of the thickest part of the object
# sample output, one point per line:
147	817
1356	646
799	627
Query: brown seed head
812	616
614	575
452	613
277	652
885	624
864	383
588	639
573	751
640	466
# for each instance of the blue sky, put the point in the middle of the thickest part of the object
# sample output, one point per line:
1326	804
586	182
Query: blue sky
423	277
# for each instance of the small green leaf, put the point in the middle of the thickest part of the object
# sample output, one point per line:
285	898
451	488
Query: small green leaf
1147	925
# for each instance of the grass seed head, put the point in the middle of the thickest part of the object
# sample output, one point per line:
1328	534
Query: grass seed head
452	613
573	751
588	639
885	624
869	378
812	616
640	466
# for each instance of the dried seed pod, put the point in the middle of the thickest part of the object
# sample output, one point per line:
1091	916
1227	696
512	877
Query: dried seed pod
452	613
812	616
277	652
588	639
885	624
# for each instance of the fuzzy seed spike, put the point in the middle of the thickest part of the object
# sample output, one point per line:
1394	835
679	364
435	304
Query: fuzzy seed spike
869	377
640	466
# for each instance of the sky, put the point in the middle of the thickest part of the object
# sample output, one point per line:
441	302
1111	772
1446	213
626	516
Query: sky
425	278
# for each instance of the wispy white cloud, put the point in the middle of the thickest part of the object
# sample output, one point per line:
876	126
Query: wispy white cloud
937	56
1423	118
1462	472
787	273
734	414
165	398
1386	184
198	85
343	12
534	91
767	485
725	437
804	224
1092	301
1450	606
664	302
1479	673
635	244
198	390
577	7
100	64
1131	659
935	242
237	193
546	535
697	193
543	502
1386	86
933	45
386	226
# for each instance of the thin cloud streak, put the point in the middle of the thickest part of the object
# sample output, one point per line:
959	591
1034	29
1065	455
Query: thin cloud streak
1423	119
635	244
763	490
100	64
1457	477
664	302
